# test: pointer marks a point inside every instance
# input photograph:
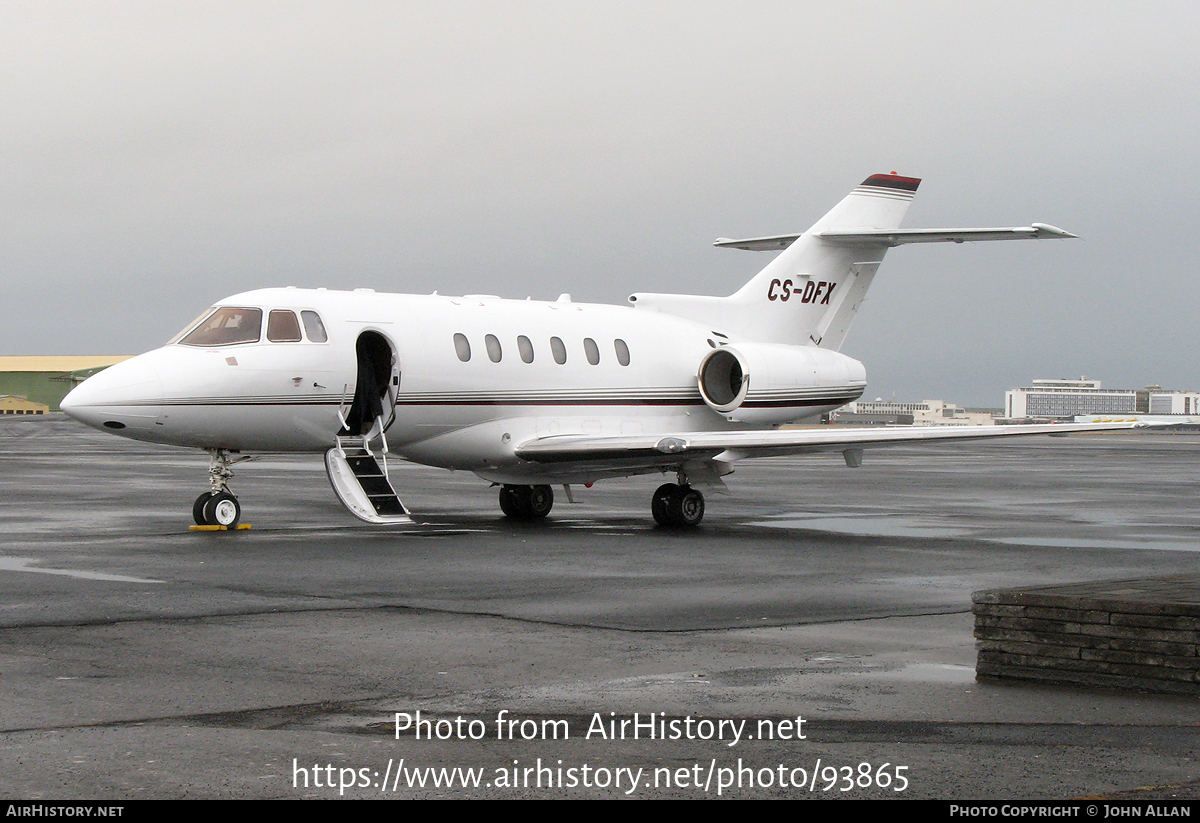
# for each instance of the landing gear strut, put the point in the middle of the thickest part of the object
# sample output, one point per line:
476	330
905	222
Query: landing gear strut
676	504
526	502
218	507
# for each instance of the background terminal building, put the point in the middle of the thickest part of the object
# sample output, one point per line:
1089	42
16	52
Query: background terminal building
1063	399
879	412
1066	399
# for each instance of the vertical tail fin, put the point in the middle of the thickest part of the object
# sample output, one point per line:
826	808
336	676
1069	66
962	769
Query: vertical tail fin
810	293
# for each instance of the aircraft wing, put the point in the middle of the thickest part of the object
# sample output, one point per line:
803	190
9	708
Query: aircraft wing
900	237
684	446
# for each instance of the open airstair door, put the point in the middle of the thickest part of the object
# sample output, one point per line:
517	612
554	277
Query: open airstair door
358	473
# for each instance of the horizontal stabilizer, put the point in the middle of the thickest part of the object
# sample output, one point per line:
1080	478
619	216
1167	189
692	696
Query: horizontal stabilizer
900	237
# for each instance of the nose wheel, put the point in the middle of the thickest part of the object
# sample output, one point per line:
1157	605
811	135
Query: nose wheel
675	505
198	509
219	509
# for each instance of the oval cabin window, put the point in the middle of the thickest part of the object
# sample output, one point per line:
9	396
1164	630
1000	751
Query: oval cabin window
622	351
525	347
462	347
591	350
558	350
493	348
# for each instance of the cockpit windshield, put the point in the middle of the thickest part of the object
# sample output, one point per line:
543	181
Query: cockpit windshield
226	326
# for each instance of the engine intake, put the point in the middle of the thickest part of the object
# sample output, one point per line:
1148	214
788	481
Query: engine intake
789	382
724	380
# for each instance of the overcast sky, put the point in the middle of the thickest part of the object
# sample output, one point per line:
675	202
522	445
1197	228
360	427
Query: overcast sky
160	156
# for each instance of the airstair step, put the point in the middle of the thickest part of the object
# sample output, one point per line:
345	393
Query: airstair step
361	483
375	486
389	506
364	466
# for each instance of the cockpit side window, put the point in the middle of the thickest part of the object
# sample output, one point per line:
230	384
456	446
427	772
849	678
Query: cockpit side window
225	327
313	327
283	327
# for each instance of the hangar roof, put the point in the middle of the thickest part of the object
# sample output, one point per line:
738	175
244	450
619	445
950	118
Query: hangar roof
59	363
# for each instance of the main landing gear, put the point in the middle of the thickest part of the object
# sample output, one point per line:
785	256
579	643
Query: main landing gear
218	507
675	504
526	502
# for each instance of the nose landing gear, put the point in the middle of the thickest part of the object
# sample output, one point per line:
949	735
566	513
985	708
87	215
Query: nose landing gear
218	507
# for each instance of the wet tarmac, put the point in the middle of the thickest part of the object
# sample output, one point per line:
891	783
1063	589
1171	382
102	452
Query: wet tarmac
142	660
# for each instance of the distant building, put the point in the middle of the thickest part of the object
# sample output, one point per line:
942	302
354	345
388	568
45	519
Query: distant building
1181	409
925	413
1174	402
10	404
1065	398
46	380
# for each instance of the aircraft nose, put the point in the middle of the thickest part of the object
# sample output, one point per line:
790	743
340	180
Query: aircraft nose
124	396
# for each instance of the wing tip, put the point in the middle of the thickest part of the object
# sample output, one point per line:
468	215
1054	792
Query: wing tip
1046	231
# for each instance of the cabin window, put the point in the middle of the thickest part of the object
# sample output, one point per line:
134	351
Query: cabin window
558	350
462	347
313	327
591	350
225	327
493	348
283	327
525	346
622	351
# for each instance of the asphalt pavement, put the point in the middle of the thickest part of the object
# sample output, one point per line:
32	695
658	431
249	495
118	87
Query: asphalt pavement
811	639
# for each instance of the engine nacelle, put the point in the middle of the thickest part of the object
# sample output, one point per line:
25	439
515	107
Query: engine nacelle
766	383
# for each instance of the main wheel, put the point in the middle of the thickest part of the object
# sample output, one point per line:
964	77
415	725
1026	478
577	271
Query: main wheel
198	509
686	507
541	501
526	502
222	509
512	502
660	504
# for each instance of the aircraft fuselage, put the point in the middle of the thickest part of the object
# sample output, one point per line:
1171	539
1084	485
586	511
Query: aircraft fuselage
529	394
624	372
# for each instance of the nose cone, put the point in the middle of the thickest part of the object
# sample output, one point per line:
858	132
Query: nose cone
122	399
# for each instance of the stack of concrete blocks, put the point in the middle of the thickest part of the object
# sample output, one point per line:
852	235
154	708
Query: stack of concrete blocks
1123	634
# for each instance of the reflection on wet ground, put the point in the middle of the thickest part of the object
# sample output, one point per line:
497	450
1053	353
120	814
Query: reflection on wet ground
906	526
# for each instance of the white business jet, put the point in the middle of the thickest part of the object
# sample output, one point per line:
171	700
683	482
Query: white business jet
530	394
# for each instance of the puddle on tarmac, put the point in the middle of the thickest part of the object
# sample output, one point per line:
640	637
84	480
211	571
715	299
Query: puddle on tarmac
1064	543
874	526
932	673
904	526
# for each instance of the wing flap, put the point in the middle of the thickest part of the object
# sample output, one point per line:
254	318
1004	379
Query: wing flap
676	448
